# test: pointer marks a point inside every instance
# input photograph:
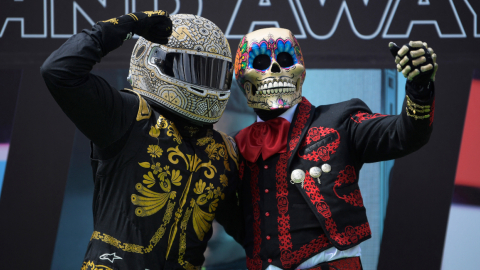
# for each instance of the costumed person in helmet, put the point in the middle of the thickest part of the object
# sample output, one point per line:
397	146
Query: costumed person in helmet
161	172
300	163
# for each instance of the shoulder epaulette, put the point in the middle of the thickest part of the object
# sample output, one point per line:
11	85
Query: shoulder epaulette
144	110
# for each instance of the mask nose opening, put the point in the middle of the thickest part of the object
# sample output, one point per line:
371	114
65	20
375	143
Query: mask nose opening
275	68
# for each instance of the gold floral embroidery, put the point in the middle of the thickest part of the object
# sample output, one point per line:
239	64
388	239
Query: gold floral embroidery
149	179
215	150
202	221
154	132
178	214
151	202
231	147
199	187
223	180
137	248
117	243
155	150
163	123
91	266
192	130
113	20
133	16
156	168
157	12
183	247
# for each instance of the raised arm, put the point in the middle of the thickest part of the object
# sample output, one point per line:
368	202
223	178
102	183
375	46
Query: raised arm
381	137
99	111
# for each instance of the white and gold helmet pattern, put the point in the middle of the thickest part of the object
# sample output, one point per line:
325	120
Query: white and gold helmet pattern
190	75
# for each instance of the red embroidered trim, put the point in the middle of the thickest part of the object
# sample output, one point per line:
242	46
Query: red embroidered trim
283	220
348	176
241	170
315	134
255	263
362	116
351	234
314	194
347	264
287	256
303	114
352	263
432	113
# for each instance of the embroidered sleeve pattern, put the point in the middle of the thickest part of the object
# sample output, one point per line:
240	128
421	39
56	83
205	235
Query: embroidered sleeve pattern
417	111
348	176
360	116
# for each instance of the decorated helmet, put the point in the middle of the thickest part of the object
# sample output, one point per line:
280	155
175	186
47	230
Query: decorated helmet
269	68
190	75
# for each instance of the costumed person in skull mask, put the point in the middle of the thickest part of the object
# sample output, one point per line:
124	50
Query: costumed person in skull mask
161	172
300	163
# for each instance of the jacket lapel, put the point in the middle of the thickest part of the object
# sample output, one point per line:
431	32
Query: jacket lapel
302	118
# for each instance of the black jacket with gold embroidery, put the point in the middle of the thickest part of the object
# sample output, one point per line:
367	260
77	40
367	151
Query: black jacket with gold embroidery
159	181
154	202
288	222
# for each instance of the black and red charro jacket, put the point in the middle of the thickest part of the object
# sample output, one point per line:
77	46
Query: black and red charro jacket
285	223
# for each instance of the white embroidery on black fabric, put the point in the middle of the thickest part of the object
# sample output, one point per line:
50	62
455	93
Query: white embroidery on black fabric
107	256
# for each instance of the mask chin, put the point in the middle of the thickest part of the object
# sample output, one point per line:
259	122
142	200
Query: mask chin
266	115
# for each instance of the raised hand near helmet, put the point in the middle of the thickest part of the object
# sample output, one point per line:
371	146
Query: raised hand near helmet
416	61
154	26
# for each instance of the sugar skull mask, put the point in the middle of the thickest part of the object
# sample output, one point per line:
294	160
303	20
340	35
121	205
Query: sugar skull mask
269	68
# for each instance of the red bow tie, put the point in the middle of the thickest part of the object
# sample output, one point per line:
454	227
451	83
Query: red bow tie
266	138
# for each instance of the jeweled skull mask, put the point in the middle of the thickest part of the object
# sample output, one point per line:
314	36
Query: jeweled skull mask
269	68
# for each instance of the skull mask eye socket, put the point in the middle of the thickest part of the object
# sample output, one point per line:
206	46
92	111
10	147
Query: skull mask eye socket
261	62
284	59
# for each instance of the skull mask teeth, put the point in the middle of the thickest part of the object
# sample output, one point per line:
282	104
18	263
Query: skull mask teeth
269	67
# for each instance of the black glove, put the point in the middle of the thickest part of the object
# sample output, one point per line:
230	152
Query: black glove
416	61
154	26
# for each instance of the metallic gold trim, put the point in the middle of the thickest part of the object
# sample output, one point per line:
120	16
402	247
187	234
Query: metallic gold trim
144	110
416	108
417	117
91	266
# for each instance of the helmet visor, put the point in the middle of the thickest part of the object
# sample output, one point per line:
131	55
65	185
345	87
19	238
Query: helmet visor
195	69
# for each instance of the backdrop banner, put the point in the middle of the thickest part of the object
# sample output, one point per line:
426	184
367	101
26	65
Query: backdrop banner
342	34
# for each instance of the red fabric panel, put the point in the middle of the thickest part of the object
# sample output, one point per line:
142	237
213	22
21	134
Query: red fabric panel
468	168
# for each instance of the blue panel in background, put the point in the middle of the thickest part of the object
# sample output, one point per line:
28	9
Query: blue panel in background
11	80
76	221
3	164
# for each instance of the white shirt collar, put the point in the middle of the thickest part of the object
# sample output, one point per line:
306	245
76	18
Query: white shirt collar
287	115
